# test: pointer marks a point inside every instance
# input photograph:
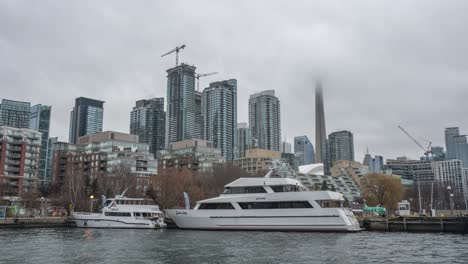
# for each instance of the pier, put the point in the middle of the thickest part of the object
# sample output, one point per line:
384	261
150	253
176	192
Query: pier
33	222
417	224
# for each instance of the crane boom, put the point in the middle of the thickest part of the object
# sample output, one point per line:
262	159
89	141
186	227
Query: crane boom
203	75
176	50
426	150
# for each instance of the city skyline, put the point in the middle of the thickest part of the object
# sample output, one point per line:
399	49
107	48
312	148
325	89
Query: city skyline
364	98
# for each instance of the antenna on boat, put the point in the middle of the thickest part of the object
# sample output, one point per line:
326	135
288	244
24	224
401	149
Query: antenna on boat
123	193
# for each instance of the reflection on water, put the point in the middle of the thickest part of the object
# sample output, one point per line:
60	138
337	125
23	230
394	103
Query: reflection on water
175	246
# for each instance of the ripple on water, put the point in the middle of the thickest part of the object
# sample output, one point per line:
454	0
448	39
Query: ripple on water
175	246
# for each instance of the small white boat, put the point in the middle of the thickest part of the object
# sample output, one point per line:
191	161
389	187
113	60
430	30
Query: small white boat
123	212
268	204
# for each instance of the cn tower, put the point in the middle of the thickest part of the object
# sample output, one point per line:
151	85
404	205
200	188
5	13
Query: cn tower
320	131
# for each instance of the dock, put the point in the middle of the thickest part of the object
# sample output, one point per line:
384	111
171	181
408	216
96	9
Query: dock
417	224
33	222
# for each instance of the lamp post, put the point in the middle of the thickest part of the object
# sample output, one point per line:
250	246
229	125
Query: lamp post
432	198
449	189
91	203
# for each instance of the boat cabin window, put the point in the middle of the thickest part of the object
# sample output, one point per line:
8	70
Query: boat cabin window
216	206
330	203
137	214
121	214
108	202
245	189
276	205
286	188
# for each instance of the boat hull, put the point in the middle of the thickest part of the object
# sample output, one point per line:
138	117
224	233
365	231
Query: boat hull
97	221
337	220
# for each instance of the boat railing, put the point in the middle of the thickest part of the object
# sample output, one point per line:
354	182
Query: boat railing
82	213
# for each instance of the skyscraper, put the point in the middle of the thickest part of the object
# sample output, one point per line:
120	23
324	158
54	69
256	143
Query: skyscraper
85	118
304	150
219	114
320	130
265	120
243	139
181	109
285	147
40	121
199	124
148	121
456	145
341	146
15	114
450	133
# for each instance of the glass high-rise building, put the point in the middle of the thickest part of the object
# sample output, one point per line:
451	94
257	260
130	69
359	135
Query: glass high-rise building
15	113
219	114
85	118
243	139
148	121
265	120
40	121
304	150
181	121
456	145
340	146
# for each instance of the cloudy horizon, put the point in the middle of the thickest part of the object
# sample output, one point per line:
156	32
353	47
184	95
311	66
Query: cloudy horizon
382	64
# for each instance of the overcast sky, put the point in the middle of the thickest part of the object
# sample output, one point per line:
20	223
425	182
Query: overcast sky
382	63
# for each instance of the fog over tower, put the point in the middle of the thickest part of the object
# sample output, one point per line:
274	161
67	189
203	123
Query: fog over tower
320	131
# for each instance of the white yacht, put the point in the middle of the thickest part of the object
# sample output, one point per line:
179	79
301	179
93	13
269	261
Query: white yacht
123	212
282	204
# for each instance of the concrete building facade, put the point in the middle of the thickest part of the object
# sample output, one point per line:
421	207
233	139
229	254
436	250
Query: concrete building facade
97	155
258	161
15	113
194	154
19	160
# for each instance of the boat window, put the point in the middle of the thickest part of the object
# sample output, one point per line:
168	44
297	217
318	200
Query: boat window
137	214
276	205
122	214
329	203
285	188
216	206
246	189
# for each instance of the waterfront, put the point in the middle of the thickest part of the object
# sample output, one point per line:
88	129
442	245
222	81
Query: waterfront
71	245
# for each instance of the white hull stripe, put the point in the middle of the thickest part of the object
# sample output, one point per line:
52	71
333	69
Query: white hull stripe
273	216
108	220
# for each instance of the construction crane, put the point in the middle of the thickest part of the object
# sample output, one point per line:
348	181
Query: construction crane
203	75
176	50
426	150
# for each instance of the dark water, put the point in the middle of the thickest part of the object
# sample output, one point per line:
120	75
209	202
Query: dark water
175	246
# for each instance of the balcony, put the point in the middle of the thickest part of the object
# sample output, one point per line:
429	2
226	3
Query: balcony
14	162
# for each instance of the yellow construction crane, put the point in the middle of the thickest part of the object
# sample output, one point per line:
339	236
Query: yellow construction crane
202	75
426	150
176	50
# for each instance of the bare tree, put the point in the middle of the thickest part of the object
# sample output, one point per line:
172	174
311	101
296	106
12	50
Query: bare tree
117	180
75	186
380	189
